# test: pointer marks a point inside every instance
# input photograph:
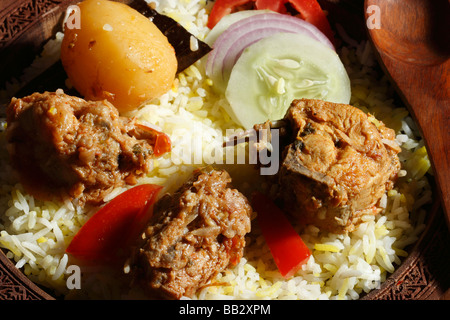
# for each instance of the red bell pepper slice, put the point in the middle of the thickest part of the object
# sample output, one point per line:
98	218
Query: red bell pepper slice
286	246
109	233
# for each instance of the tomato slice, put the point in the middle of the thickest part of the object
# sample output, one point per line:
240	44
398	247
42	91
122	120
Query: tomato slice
162	144
109	233
222	8
274	5
311	12
286	246
161	141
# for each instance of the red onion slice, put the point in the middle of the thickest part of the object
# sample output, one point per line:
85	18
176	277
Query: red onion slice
232	42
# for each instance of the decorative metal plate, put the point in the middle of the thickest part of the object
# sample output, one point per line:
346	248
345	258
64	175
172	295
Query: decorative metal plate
26	24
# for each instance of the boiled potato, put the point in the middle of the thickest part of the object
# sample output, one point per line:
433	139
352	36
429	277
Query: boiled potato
117	54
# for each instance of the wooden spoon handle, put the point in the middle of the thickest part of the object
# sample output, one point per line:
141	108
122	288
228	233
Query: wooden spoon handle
425	91
418	63
429	102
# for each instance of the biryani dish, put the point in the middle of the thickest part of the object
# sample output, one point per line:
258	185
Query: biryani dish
275	165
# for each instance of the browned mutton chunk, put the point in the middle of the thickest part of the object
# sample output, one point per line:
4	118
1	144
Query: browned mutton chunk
337	165
193	235
66	147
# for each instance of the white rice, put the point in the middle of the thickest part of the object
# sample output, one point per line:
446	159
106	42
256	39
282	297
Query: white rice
35	233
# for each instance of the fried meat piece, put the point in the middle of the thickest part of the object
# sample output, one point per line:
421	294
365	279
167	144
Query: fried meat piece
193	235
337	165
68	148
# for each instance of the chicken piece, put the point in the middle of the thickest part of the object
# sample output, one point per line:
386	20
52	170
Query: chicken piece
193	235
64	147
337	165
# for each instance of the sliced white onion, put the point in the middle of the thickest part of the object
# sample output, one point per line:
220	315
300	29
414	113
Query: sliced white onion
227	21
228	47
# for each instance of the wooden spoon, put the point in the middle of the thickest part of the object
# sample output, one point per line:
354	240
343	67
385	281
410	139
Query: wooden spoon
413	45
